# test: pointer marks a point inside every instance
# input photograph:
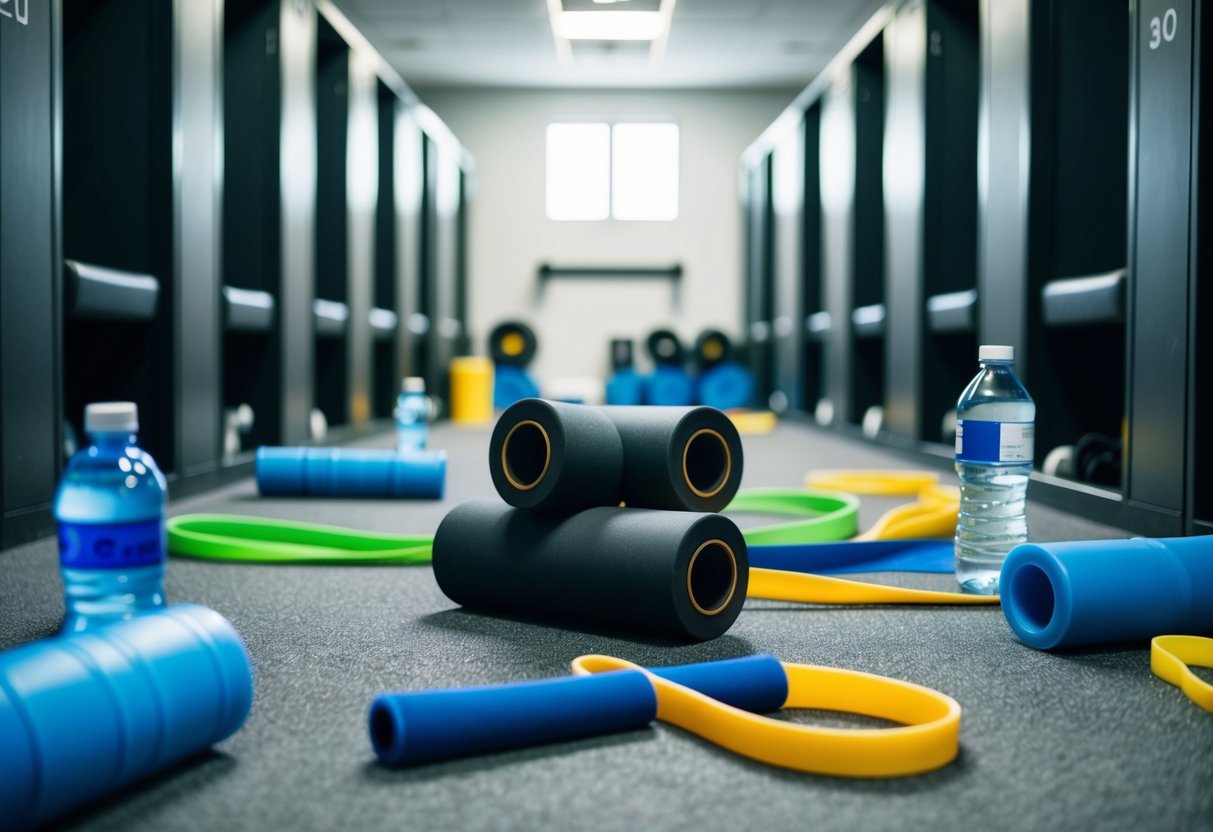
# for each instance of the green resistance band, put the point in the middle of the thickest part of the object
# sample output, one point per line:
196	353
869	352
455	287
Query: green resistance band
828	516
231	537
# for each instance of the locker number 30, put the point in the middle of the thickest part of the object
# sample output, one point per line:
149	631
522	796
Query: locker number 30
1163	28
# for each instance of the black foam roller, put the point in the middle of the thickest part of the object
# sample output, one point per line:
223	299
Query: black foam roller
666	574
677	457
711	348
556	456
512	344
549	455
665	348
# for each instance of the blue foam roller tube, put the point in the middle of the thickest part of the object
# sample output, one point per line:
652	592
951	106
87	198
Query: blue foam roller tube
512	384
727	386
1107	591
350	472
412	727
426	726
625	387
84	715
670	386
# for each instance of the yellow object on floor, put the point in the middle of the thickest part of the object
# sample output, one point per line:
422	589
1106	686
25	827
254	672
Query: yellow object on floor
1170	657
927	739
471	390
803	588
933	515
751	422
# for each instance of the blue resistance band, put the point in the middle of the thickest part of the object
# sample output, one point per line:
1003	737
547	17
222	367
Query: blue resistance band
933	556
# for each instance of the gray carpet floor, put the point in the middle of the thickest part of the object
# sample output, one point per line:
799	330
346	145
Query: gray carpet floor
1072	740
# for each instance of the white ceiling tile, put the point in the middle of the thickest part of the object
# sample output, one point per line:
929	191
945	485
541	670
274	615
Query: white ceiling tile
497	9
377	10
712	44
809	8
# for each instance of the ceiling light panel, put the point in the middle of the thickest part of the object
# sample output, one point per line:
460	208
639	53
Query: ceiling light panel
613	25
619	6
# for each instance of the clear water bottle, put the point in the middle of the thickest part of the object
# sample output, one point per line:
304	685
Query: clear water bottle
110	511
995	429
412	415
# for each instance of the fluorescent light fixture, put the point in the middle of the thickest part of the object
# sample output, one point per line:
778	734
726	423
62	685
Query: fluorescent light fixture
609	25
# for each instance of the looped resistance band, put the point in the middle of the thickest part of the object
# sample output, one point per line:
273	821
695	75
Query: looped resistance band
232	537
1170	657
933	515
828	515
927	739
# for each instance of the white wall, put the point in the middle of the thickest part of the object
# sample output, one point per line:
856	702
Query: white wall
509	234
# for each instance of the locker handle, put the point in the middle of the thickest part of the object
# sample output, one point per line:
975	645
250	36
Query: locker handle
383	323
330	318
247	310
1085	301
953	311
868	321
99	293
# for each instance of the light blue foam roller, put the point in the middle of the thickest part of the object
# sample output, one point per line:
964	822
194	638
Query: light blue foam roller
512	384
727	386
670	386
1108	591
84	715
625	387
350	472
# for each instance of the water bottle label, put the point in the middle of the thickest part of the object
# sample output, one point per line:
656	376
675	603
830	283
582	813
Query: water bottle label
994	442
111	545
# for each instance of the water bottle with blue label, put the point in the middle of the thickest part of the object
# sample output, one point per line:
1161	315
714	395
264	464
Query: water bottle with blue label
412	415
995	429
110	511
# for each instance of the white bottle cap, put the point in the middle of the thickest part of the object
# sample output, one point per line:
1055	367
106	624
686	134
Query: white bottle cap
990	352
413	384
111	417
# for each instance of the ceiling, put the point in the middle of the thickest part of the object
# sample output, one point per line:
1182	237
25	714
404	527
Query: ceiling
718	44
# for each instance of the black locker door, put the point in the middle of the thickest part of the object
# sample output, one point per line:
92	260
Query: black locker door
1159	256
29	270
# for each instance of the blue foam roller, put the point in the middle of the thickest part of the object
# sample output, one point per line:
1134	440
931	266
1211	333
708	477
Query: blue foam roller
625	387
670	386
512	384
411	727
350	472
727	386
84	715
425	726
1106	591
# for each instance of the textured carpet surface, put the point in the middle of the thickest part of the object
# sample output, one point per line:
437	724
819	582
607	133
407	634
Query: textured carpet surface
1075	740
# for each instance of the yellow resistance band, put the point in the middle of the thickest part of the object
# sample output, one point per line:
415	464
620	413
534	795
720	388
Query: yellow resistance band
933	515
927	739
1170	657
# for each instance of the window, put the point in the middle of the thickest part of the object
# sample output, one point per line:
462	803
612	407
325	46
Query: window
624	171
